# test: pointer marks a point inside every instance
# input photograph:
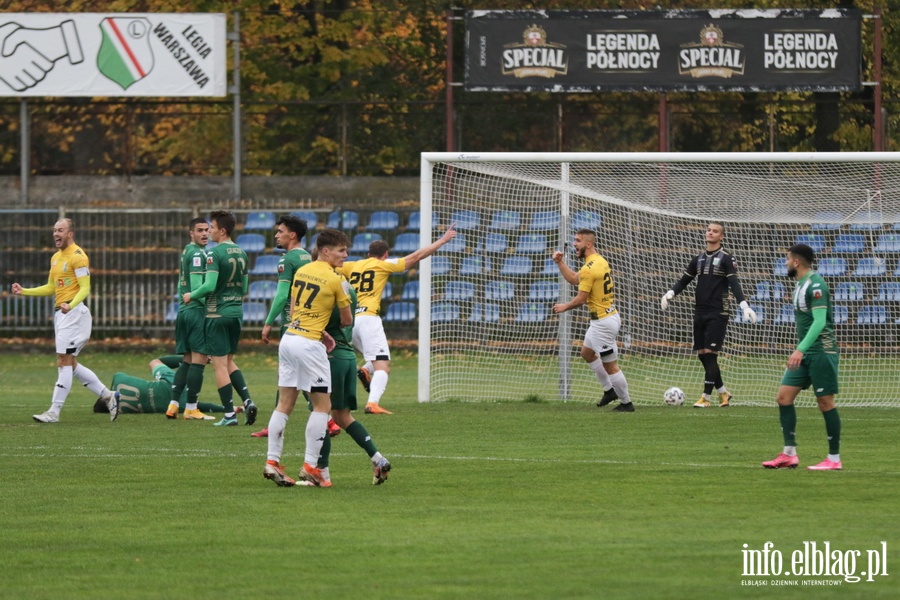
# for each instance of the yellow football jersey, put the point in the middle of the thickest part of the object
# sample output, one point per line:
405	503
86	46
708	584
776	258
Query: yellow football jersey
66	266
596	280
368	277
315	291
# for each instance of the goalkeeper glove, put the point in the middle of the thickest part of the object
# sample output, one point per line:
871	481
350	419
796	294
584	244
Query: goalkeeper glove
664	301
749	315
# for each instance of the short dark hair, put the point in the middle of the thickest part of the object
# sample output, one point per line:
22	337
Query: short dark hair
100	406
331	237
803	252
722	225
224	220
295	224
586	231
378	248
195	222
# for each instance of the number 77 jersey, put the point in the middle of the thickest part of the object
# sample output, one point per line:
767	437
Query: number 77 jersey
368	277
316	289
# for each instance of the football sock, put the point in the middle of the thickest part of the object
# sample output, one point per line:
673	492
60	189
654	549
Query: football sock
376	457
378	385
322	463
190	406
834	457
180	380
90	380
621	386
788	424
362	438
790	450
316	432
194	382
833	429
240	386
277	423
61	390
227	400
369	367
602	375
711	372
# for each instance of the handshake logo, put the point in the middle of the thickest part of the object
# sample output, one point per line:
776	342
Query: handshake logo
27	55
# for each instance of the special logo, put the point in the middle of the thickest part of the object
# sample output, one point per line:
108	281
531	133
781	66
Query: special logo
712	56
535	56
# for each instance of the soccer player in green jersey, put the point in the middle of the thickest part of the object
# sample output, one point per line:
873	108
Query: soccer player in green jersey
190	324
224	290
814	362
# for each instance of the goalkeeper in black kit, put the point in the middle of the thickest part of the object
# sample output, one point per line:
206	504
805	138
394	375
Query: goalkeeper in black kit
716	272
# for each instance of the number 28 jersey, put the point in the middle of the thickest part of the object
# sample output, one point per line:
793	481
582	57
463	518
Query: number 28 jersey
316	290
596	279
368	277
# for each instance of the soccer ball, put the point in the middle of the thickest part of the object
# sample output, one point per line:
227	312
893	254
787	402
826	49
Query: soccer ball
674	396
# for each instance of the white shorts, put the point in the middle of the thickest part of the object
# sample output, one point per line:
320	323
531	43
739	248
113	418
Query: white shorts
72	329
303	364
601	337
369	338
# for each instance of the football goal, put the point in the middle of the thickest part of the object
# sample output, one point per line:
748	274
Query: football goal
486	328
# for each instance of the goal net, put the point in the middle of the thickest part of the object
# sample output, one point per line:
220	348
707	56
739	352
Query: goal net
486	329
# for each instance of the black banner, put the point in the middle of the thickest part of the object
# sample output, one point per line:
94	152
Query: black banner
696	50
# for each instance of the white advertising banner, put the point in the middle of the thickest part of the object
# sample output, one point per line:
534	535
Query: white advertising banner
112	54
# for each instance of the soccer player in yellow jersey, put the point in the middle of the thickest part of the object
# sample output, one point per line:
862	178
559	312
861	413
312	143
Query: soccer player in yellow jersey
303	359
368	277
596	289
70	281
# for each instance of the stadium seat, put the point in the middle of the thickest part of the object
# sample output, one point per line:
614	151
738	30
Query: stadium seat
311	218
361	242
465	219
785	315
763	291
400	312
255	312
475	265
889	292
532	312
867	221
516	265
500	290
841	314
457	244
251	242
872	315
494	243
870	266
827	221
263	289
849	291
267	264
780	269
444	312
586	219
388	290
849	243
440	265
545	221
488	313
460	291
312	241
172	312
345	220
383	220
544	290
887	243
549	268
406	243
832	267
260	220
505	220
760	315
415	221
815	241
532	243
410	291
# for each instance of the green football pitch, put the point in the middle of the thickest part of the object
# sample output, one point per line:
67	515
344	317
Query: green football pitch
486	500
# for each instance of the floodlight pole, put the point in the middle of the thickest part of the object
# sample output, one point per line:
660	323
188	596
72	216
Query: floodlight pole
235	37
878	124
449	85
24	151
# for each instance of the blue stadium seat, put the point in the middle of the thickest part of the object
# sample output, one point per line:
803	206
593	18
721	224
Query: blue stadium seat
505	220
870	266
849	291
780	269
785	315
832	266
544	290
815	241
345	220
827	221
887	243
494	243
849	243
251	242
263	289
444	312
545	221
867	221
872	315
532	243
516	265
465	219
410	291
475	265
400	312
488	313
586	219
763	291
260	220
889	292
841	314
440	265
383	220
267	264
172	312
311	218
459	291
457	244
760	315
312	241
406	243
255	312
500	290
361	242
549	268
532	312
388	290
415	221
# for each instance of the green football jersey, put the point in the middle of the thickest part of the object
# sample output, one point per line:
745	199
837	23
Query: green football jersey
343	336
193	262
231	263
812	293
287	266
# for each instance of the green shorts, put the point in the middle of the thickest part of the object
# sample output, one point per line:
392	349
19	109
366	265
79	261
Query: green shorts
222	335
189	331
818	370
343	382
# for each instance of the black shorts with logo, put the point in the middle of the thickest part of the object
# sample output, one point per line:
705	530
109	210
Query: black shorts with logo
709	330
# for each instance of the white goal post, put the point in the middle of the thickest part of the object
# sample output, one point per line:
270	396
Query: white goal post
486	331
